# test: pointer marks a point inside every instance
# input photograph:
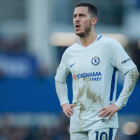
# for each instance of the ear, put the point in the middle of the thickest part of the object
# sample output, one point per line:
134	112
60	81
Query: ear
94	21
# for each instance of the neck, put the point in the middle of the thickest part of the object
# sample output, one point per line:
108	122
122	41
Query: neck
86	41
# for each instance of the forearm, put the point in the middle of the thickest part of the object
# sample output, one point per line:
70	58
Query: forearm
62	92
129	83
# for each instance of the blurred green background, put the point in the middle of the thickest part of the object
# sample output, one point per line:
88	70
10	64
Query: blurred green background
33	36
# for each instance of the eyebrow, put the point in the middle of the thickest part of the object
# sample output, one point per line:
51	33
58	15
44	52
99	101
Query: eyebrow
79	14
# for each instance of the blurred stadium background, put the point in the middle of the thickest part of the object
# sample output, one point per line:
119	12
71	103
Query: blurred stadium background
33	36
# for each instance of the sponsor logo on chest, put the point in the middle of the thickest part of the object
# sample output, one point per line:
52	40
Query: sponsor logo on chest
93	76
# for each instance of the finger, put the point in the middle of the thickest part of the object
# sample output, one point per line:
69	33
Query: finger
71	110
67	114
107	113
111	116
102	113
104	108
70	113
73	105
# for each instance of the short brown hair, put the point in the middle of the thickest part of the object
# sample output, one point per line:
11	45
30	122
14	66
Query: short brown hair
91	9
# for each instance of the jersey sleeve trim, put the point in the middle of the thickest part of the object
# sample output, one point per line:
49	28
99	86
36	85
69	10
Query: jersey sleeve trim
130	69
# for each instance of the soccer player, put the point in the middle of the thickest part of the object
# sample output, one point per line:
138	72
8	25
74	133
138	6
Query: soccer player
94	63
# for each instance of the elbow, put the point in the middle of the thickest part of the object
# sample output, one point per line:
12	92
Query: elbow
137	74
134	74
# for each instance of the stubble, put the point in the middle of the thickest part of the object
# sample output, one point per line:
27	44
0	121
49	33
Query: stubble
86	32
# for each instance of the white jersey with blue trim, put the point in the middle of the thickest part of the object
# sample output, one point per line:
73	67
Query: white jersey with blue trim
94	71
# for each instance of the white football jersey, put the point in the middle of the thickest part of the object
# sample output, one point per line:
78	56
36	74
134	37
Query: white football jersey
95	71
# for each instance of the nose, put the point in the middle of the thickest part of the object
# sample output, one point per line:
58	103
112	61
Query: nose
77	19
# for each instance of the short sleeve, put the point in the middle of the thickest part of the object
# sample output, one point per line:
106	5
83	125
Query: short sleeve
119	58
62	70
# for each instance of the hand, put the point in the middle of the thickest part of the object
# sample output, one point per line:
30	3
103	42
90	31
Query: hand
108	110
68	109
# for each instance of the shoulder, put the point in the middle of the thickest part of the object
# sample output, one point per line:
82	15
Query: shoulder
111	43
70	49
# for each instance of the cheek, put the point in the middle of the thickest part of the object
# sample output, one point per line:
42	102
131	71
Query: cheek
85	24
73	21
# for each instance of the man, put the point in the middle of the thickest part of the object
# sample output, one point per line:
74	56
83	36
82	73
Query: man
94	63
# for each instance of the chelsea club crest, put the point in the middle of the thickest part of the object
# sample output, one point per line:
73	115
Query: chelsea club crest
95	60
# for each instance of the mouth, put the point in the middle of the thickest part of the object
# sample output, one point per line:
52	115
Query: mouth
77	27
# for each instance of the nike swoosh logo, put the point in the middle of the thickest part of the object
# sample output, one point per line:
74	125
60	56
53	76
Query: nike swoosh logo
72	65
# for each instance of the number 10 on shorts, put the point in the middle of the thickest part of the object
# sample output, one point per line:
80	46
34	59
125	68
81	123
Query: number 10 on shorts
102	135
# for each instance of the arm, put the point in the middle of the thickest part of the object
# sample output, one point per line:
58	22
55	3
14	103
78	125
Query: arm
129	83
119	58
61	86
62	93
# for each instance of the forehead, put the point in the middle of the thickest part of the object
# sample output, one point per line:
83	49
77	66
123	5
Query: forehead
81	9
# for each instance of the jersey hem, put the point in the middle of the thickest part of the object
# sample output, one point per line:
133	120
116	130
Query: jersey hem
94	128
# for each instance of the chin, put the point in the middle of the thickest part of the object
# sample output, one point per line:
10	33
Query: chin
80	34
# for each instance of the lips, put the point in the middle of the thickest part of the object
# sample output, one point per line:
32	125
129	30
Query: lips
77	27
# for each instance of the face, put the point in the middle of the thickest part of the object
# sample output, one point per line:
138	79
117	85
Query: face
82	21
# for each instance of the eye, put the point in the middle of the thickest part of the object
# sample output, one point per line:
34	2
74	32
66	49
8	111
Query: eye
74	16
